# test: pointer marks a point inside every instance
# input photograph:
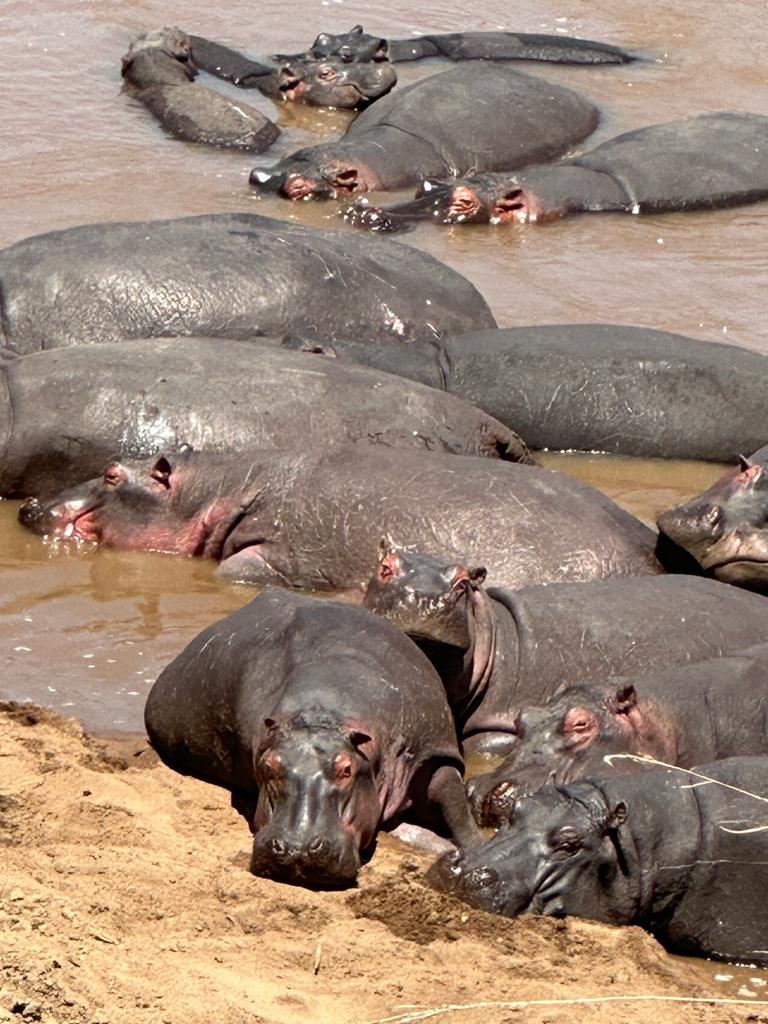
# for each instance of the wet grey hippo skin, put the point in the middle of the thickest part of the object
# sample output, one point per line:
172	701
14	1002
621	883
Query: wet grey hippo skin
323	721
64	414
688	862
725	529
501	650
684	715
702	163
594	387
302	78
224	275
483	118
160	74
313	519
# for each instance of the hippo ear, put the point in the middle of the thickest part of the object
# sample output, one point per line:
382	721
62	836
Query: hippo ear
356	739
161	471
624	700
356	30
386	546
477	576
616	817
744	463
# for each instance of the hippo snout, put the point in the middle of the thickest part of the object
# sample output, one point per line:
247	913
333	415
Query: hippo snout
317	861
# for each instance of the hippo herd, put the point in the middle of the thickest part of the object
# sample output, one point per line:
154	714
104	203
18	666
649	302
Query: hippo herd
288	402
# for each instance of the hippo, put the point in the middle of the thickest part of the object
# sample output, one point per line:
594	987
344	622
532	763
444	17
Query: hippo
725	529
482	118
498	651
356	45
323	721
684	858
300	78
66	412
685	715
702	163
231	275
593	387
160	74
313	519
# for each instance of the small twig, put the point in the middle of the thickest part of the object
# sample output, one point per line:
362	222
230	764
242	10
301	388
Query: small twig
318	957
519	1004
643	759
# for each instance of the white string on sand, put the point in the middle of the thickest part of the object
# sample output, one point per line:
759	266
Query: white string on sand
519	1004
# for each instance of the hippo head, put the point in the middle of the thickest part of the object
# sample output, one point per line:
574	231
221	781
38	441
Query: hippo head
317	173
354	46
318	807
435	201
333	83
423	595
559	853
566	740
726	528
138	504
160	57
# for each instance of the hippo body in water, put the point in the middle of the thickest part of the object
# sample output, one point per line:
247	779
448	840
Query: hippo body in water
470	118
231	275
595	387
161	75
685	859
324	722
66	412
685	715
702	163
500	651
314	519
725	529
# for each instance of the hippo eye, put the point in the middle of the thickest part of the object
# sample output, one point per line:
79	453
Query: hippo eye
326	74
114	475
566	838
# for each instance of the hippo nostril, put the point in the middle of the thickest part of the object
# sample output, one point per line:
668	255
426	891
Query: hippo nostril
481	878
318	846
279	848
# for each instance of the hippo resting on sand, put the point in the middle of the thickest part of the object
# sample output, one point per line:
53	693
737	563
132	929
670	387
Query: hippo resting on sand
324	82
65	413
323	721
486	118
684	715
594	387
160	74
313	519
685	859
725	529
498	651
232	275
702	163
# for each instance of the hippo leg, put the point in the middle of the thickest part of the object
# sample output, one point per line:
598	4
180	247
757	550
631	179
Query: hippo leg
446	789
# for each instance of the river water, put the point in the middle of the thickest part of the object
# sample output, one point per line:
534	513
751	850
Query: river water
88	631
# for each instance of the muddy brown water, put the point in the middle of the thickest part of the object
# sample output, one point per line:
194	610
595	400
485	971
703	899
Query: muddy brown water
88	631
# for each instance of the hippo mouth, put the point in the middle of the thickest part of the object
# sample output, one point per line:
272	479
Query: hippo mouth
512	208
291	87
464	205
72	521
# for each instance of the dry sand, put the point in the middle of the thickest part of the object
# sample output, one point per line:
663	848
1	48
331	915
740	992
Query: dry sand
125	898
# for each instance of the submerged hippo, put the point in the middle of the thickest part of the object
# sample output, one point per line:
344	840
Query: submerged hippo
329	81
323	721
657	848
594	387
232	275
160	73
471	118
313	519
65	413
702	163
726	528
357	45
685	715
499	651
